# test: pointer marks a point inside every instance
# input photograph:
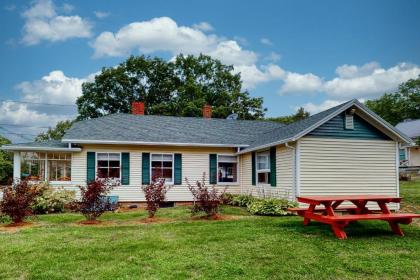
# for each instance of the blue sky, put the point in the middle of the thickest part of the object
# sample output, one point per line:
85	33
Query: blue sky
293	53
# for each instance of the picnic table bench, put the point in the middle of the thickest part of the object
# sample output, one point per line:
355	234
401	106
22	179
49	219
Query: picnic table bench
331	204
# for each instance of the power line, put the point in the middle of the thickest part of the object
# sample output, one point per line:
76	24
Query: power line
38	103
21	125
21	135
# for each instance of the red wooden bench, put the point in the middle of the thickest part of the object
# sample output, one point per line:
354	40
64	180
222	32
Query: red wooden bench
359	211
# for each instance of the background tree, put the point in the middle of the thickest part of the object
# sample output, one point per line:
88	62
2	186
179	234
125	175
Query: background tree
6	163
400	105
55	133
179	88
299	115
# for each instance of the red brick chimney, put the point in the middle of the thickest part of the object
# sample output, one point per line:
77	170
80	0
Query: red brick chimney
207	111
137	108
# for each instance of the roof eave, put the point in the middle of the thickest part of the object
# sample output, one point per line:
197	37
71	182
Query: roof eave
30	148
119	142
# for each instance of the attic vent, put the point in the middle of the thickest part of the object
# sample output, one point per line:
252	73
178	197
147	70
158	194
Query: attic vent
349	121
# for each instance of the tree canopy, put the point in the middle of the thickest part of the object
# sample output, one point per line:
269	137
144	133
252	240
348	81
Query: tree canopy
400	105
6	163
55	133
180	87
299	115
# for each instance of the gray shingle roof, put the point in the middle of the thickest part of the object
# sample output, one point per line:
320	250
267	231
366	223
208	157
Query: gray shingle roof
410	127
165	129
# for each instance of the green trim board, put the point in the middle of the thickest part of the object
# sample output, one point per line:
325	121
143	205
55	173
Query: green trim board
253	168
145	168
273	168
178	169
90	164
335	128
213	168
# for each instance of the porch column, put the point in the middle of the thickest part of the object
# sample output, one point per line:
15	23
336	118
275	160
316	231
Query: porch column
16	165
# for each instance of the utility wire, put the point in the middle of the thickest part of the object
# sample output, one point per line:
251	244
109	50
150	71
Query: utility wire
38	103
21	125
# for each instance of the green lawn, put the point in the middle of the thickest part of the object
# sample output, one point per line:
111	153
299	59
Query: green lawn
244	247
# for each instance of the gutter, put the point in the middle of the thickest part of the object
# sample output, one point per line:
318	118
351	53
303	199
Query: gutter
29	148
118	142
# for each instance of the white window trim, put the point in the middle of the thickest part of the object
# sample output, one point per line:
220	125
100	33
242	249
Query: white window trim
54	183
267	152
237	171
173	167
96	163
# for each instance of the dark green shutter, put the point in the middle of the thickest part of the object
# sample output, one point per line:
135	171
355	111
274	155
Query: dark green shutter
145	168
178	169
90	174
125	168
273	177
213	169
254	176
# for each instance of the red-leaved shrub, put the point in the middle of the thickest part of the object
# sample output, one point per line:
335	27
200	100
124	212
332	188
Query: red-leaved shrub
155	194
17	200
93	202
205	199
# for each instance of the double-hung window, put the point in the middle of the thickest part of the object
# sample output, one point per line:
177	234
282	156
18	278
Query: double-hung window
162	167
263	167
227	169
109	165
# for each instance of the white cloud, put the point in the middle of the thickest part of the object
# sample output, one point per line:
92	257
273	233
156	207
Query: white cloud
52	88
43	23
266	41
164	34
101	15
203	26
252	75
316	108
273	57
67	8
10	8
300	83
369	80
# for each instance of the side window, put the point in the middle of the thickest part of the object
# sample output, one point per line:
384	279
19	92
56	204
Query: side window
162	167
263	168
108	165
227	169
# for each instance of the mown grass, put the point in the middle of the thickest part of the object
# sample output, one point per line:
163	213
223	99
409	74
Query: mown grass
242	247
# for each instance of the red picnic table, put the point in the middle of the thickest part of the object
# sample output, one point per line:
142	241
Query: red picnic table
331	204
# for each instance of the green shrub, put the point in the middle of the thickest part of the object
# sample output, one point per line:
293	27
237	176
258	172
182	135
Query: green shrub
270	207
242	200
227	198
52	200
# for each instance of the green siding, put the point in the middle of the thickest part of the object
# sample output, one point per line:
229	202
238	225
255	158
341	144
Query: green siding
91	174
254	175
273	177
213	168
178	169
125	168
334	128
145	168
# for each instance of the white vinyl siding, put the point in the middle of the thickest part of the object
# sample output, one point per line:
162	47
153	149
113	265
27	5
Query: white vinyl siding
347	166
284	175
195	161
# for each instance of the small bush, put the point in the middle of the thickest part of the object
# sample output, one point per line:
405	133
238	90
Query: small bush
155	194
271	207
17	200
227	198
243	200
52	200
206	199
93	203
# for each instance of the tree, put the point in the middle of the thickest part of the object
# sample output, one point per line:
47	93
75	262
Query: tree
299	115
179	88
6	163
55	133
400	105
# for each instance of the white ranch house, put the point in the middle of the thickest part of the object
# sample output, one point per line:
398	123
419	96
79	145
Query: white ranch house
347	149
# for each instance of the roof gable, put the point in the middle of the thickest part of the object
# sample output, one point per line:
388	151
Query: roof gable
335	128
